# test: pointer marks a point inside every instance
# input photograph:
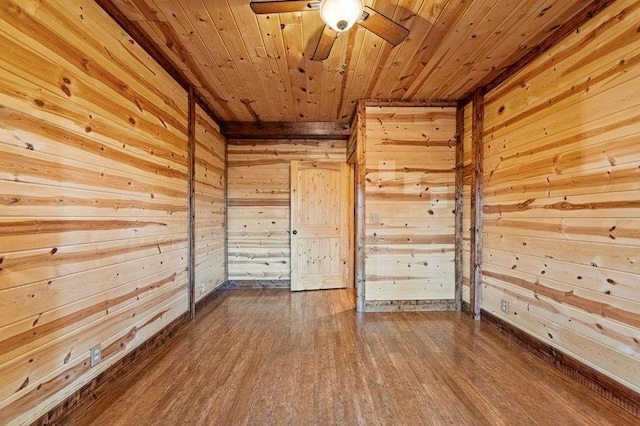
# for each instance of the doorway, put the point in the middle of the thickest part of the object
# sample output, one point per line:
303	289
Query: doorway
321	223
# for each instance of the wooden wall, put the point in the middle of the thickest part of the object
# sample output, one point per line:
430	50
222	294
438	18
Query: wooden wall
562	195
210	211
352	143
94	204
410	203
258	203
467	172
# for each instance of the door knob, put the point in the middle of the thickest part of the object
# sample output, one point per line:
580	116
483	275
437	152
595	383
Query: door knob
294	232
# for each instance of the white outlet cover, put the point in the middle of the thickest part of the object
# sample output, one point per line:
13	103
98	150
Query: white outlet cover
95	355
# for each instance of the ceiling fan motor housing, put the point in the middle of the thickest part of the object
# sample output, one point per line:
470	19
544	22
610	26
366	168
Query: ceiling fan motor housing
341	14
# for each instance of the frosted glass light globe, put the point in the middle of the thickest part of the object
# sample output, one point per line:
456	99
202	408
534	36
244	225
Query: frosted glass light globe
341	14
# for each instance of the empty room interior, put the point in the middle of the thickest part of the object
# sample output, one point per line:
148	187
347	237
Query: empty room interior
226	212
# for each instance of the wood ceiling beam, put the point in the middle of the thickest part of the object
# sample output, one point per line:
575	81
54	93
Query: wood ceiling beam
444	103
285	130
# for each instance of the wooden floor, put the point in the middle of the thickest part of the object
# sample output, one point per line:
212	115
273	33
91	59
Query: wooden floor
273	357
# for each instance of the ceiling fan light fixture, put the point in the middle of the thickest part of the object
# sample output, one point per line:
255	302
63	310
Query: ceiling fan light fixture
341	15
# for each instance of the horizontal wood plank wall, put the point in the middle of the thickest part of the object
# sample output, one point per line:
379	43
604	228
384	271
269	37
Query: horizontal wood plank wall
467	142
93	212
258	203
410	203
562	195
210	225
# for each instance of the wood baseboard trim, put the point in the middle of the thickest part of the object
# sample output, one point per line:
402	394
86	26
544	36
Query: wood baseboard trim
86	396
210	299
243	284
80	400
440	305
604	386
465	307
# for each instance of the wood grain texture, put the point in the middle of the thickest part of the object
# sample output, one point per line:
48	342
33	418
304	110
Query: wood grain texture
467	171
422	305
91	395
262	284
561	192
258	67
410	202
285	130
477	202
210	206
139	36
191	188
559	32
360	182
85	397
94	209
459	225
94	206
590	377
352	143
289	357
319	231
259	200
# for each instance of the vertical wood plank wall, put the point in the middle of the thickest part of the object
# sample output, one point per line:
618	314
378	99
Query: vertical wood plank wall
410	203
467	173
93	212
210	224
352	143
258	203
562	195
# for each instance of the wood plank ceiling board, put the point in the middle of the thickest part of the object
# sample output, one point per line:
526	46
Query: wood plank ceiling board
391	69
258	68
480	41
365	65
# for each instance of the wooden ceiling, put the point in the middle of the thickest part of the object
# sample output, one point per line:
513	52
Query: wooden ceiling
257	68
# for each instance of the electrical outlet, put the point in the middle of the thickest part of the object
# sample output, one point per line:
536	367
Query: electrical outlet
504	306
201	288
96	355
374	217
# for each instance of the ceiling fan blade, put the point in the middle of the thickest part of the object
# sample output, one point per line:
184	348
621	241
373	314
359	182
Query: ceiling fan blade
384	27
262	7
325	43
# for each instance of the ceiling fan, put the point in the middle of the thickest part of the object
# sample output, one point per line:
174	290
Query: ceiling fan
338	16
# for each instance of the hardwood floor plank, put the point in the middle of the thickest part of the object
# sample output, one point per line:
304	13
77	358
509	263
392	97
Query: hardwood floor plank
262	403
401	383
258	357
